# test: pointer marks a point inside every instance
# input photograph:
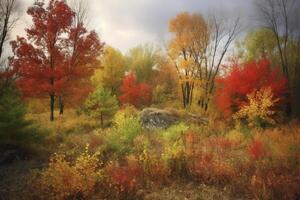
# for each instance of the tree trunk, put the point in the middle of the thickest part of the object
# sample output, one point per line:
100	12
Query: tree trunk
61	106
52	107
101	119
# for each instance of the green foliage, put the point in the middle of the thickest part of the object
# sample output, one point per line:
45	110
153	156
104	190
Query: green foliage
141	60
113	67
101	104
121	137
174	133
14	128
174	149
258	43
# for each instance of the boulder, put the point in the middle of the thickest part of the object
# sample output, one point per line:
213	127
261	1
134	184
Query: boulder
153	118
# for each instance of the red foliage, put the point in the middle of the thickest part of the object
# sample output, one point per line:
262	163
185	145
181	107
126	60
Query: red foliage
58	54
125	180
256	150
134	93
243	80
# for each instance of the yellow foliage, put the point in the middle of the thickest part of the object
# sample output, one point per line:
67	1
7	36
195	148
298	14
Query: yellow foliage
260	107
63	179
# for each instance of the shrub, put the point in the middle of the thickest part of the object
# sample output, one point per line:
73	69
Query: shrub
256	150
121	137
124	180
66	180
259	110
242	80
154	168
174	149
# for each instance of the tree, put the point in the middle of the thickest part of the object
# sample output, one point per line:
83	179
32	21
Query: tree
142	61
243	80
197	51
101	104
14	128
112	71
134	93
57	56
7	22
281	18
258	44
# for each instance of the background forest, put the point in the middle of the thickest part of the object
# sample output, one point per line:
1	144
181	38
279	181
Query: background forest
213	113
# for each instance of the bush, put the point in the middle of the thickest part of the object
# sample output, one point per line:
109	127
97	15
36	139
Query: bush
121	137
66	180
125	180
259	110
174	149
242	80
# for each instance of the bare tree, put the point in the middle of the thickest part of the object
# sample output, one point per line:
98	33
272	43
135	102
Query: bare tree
223	33
7	22
279	17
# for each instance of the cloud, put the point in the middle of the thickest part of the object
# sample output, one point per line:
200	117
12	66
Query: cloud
125	24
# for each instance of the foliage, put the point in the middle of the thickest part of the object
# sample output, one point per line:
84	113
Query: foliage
258	44
133	93
101	104
125	180
14	127
256	150
142	60
57	56
121	137
174	149
154	168
190	30
65	180
112	71
258	111
242	80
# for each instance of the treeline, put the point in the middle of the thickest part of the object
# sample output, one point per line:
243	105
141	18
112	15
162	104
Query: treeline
62	61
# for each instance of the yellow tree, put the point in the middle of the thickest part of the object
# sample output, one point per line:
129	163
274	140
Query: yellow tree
186	50
197	51
111	73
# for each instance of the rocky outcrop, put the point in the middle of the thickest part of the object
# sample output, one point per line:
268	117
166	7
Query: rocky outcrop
153	118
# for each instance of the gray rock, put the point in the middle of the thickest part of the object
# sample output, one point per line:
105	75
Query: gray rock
153	118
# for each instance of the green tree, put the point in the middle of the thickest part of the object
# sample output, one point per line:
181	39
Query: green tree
259	43
142	61
111	73
14	128
101	104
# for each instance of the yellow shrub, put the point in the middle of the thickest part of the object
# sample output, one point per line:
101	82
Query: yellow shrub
259	108
65	180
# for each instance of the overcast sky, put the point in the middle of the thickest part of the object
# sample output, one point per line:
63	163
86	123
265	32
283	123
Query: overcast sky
124	24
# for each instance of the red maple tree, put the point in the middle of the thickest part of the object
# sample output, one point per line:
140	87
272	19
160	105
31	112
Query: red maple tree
134	93
57	56
242	80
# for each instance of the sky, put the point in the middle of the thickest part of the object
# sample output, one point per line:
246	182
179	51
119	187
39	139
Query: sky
125	24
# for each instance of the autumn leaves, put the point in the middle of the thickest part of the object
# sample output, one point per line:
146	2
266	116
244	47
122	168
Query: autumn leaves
57	55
